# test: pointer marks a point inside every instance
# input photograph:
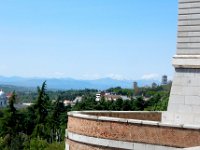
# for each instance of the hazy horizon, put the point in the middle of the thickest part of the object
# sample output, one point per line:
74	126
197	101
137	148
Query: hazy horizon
68	78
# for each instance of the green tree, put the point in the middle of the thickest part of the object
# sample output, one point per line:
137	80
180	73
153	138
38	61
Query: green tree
126	105
37	144
41	129
55	146
118	104
55	120
139	104
11	126
42	103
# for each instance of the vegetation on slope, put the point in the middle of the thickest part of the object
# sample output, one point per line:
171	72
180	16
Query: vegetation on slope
42	125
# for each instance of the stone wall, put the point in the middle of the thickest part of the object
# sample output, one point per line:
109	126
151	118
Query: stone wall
100	142
152	116
184	103
188	42
164	135
82	146
185	92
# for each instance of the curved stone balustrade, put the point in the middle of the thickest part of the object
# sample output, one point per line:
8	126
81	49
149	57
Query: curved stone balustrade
84	128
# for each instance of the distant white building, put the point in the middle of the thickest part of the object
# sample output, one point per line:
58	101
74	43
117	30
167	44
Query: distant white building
68	103
125	97
3	99
77	99
98	97
110	96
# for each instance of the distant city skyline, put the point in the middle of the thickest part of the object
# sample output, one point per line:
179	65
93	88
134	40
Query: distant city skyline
88	39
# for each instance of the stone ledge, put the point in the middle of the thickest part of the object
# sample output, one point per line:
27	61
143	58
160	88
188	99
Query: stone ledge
186	61
192	148
171	135
115	144
130	121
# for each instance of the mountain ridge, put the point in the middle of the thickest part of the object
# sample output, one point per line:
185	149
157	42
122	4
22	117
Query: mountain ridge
70	83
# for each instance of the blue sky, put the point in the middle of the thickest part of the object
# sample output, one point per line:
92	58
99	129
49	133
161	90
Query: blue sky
87	39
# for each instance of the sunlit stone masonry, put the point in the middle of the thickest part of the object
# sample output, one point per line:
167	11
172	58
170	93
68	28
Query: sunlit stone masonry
176	129
184	104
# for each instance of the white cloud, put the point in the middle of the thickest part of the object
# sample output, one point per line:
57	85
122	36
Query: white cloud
115	76
151	76
99	76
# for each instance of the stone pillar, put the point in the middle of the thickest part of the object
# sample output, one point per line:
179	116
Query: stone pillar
184	103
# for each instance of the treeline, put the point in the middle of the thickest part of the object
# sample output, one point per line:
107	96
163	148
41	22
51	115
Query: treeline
39	127
141	91
157	102
30	96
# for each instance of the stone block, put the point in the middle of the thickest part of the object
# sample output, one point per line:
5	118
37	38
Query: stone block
178	119
197	119
177	75
185	108
188	39
168	117
192	148
196	108
189	11
189	45
177	90
191	91
138	146
187	1
177	99
188	34
150	147
189	5
163	148
191	126
192	100
154	123
186	62
134	121
173	107
180	80
195	82
184	118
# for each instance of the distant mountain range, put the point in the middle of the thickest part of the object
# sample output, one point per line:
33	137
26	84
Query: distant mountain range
69	83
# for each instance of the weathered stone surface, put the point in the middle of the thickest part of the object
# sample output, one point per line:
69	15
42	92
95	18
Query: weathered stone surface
138	133
184	103
185	97
138	146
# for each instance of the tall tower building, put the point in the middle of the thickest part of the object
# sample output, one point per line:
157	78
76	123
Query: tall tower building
185	92
164	80
136	89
